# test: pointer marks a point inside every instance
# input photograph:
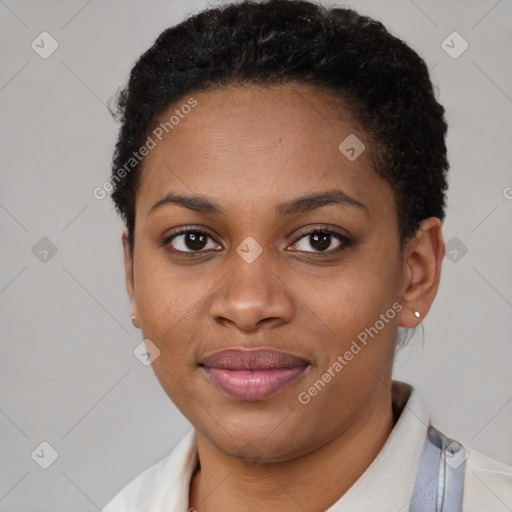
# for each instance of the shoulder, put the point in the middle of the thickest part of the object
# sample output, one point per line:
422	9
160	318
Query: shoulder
138	493
487	484
161	486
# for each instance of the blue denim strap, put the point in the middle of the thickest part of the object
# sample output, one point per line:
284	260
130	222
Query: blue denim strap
440	482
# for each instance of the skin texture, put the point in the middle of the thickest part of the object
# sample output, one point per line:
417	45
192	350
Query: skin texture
248	150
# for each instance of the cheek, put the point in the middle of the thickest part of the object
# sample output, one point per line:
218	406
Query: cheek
164	292
168	302
347	298
167	306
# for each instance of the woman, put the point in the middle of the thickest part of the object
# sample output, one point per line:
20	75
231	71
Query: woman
281	173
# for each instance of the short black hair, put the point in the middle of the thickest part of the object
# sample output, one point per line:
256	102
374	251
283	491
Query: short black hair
372	72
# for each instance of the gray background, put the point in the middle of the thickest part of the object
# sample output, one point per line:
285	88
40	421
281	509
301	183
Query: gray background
68	374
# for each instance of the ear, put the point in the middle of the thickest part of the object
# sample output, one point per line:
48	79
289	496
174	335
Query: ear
128	273
423	257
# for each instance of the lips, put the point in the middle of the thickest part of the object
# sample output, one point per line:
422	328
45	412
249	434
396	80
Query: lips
252	374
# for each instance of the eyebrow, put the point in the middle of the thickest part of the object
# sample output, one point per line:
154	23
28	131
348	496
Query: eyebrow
313	201
295	206
197	203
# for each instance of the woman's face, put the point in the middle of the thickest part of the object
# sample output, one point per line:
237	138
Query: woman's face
257	277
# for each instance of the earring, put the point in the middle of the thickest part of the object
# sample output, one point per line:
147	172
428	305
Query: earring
417	314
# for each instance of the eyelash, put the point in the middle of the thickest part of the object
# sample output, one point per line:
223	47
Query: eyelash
345	241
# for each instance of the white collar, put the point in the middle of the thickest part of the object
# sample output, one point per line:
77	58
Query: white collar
386	486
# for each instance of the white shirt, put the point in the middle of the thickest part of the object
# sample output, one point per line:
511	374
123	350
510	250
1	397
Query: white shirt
386	486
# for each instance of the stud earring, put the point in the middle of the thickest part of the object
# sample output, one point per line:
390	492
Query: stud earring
417	314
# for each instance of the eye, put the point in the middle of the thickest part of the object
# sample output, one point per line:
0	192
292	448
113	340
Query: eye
190	241
321	241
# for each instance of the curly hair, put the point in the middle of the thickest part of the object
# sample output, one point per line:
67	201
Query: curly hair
370	71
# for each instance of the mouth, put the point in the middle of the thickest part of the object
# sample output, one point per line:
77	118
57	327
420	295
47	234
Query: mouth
253	374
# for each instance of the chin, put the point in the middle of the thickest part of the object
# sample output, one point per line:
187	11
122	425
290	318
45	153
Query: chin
259	436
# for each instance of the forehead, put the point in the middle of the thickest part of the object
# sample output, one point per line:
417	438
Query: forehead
255	144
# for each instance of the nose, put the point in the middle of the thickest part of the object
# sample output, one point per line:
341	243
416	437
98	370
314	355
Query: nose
252	295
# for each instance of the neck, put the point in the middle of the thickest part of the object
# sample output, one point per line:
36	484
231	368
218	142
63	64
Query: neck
313	481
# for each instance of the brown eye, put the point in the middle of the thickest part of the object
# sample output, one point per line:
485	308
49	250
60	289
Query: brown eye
195	241
191	241
321	241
